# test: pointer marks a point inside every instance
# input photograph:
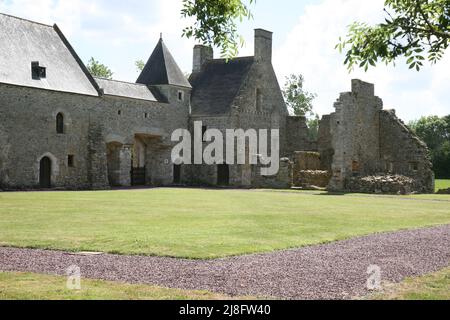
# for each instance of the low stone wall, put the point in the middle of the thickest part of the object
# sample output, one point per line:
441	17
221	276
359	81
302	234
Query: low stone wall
306	161
283	180
312	178
386	184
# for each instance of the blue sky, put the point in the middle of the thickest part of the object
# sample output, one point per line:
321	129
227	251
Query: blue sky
305	32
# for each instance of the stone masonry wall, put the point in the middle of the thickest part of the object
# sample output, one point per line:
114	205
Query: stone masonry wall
355	128
244	115
28	133
402	152
371	144
297	138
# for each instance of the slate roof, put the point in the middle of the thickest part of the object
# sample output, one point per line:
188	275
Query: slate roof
162	69
216	86
125	89
23	41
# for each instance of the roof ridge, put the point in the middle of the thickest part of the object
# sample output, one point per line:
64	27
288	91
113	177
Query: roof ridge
27	20
122	81
232	59
164	57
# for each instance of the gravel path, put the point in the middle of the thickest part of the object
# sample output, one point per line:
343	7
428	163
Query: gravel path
332	271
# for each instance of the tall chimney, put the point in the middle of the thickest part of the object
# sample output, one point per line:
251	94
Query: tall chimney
202	54
263	45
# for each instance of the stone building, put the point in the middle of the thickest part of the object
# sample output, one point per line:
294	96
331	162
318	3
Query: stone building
362	140
62	128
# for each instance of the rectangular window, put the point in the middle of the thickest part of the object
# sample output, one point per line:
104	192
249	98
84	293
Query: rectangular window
38	72
71	161
414	166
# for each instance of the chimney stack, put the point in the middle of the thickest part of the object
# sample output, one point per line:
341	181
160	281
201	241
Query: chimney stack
202	54
263	45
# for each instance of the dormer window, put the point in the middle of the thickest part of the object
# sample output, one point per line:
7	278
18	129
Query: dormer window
38	72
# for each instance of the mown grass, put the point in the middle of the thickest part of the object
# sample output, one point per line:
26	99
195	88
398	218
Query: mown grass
442	184
194	223
435	286
29	286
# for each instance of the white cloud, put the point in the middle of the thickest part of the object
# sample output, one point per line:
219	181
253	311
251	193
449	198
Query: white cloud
119	32
310	50
130	29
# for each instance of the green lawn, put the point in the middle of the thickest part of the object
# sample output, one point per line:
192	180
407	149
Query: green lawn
431	287
195	223
442	184
29	286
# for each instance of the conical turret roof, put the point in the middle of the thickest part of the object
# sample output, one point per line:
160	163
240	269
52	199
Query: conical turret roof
161	69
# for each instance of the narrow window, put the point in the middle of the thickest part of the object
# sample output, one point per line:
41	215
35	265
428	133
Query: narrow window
259	100
59	123
180	96
119	112
204	129
146	115
71	161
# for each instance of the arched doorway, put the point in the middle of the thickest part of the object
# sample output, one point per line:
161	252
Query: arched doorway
223	175
45	173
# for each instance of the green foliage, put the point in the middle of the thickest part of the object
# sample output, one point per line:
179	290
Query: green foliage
140	64
97	69
414	29
313	127
215	23
298	100
435	132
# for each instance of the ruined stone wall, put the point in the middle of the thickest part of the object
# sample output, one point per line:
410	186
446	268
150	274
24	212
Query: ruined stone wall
355	128
28	125
402	152
297	138
324	142
283	180
373	149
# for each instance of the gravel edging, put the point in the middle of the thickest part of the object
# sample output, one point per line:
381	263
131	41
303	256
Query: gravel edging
331	271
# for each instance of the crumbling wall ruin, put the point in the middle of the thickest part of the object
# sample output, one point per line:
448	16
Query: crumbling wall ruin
402	152
282	180
372	150
307	171
297	137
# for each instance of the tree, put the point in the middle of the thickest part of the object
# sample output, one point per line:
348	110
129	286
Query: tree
97	69
140	65
298	100
415	29
215	23
435	132
313	127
